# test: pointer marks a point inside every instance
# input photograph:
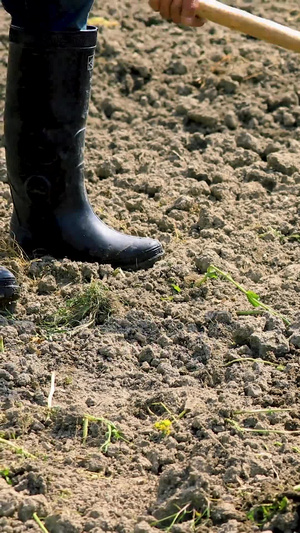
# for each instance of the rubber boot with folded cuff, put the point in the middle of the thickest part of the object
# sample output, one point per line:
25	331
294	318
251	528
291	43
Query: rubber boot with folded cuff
47	97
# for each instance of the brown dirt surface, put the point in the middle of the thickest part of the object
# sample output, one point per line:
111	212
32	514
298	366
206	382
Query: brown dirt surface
194	138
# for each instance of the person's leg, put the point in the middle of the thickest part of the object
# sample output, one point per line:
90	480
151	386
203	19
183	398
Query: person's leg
49	15
54	15
47	96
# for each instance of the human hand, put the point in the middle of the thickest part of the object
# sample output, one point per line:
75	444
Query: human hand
178	11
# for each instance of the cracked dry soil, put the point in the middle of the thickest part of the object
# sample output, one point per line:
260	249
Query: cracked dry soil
194	138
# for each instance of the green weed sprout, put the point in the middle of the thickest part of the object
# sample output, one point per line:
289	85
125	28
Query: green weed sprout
40	523
1	344
175	287
282	238
17	449
92	306
112	432
176	518
241	429
165	425
267	411
296	449
257	360
5	474
214	272
294	236
199	516
264	513
184	514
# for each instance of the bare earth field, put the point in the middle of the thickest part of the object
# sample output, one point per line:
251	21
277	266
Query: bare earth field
194	138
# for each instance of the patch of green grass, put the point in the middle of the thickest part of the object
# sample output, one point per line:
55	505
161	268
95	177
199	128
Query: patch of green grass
264	512
92	306
214	272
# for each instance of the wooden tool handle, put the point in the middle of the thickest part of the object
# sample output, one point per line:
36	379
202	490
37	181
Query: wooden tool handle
236	19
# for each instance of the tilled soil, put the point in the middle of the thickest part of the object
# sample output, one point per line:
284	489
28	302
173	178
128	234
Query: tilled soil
194	138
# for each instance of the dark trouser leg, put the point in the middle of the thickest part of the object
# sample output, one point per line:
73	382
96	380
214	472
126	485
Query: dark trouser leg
49	15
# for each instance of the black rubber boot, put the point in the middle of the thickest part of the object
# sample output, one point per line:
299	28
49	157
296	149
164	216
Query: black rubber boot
47	97
9	289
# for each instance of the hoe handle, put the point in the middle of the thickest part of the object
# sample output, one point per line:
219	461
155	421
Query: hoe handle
236	19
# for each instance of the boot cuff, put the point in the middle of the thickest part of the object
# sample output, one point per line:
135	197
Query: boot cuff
67	39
